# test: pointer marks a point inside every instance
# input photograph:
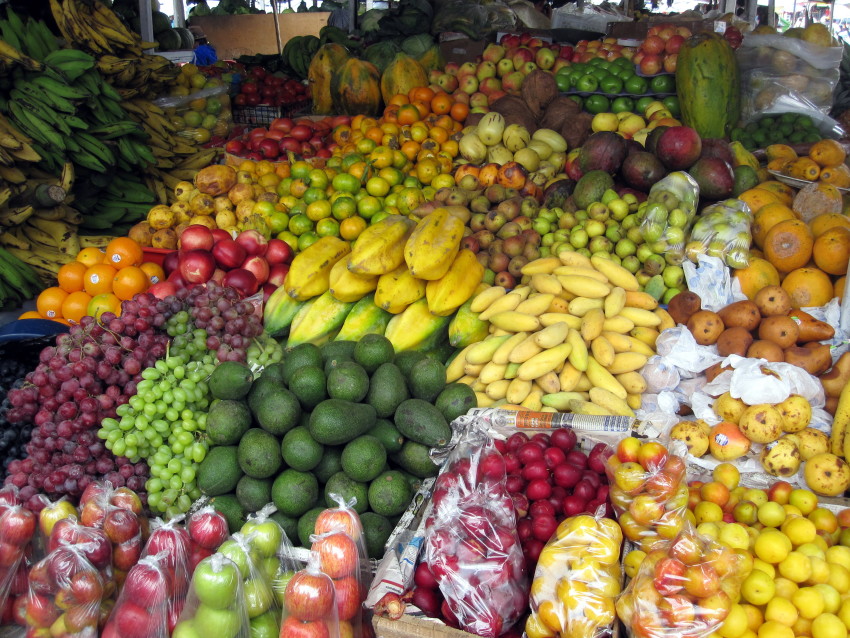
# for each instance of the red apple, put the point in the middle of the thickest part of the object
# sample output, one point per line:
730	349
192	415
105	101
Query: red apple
278	252
309	596
292	627
348	597
121	526
147	585
253	242
208	528
259	267
17	526
338	554
228	253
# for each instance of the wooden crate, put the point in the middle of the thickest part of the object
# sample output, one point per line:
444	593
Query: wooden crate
250	34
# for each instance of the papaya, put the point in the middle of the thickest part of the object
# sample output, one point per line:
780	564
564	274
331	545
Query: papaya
279	311
356	88
432	59
403	73
364	318
708	82
466	328
327	59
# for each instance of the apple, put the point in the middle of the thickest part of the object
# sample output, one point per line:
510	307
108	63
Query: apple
294	628
278	252
338	554
132	620
147	584
253	242
668	576
216	581
54	512
121	526
348	597
259	267
210	621
265	537
185	629
652	456
86	587
127	554
236	552
17	526
309	595
172	540
258	596
627	449
196	237
208	528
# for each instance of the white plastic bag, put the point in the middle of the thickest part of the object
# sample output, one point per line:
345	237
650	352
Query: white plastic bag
712	281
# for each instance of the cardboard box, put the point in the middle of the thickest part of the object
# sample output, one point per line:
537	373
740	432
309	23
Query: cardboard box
250	34
458	48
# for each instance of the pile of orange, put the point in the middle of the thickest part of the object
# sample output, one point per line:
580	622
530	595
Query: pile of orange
97	281
809	260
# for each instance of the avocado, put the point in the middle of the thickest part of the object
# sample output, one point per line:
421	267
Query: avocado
228	506
387	434
348	381
422	422
274	372
289	525
277	411
455	400
309	385
376	531
300	451
330	464
294	492
259	454
230	380
387	389
406	359
253	494
219	472
389	494
373	350
305	354
427	379
347	489
227	421
334	421
260	389
337	351
363	458
414	458
307	525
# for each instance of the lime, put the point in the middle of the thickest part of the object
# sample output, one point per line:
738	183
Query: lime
597	104
300	224
263	208
314	195
317	178
346	183
306	240
327	227
300	170
368	206
278	222
283	187
377	186
289	238
319	210
343	208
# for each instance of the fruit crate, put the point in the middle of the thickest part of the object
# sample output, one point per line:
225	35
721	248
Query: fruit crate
589	429
264	114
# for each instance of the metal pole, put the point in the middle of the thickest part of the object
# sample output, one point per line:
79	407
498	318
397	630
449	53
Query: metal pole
277	27
146	22
179	13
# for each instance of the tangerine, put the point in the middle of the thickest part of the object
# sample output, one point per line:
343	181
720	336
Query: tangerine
421	94
832	251
767	217
808	287
76	305
70	276
123	251
49	302
838	287
441	104
459	111
129	281
825	221
788	245
758	274
90	256
30	314
98	279
154	272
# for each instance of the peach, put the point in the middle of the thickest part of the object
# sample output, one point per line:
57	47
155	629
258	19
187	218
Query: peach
627	449
779	492
715	492
652	455
701	581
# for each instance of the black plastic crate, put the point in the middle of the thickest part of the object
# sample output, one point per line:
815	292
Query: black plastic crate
264	114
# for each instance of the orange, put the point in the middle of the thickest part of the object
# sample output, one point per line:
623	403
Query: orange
399	100
98	279
70	276
106	302
832	250
154	272
421	94
755	198
758	274
129	281
408	114
781	191
423	107
788	245
459	111
808	287
49	302
825	221
123	251
838	287
76	305
350	228
90	256
441	104
30	314
767	217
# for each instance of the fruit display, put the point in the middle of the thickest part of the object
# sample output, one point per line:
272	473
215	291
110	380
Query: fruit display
304	138
577	579
471	545
561	354
261	88
782	128
659	50
325	421
199	107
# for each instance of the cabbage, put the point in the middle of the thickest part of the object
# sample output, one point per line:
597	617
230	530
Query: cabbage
417	45
369	20
382	53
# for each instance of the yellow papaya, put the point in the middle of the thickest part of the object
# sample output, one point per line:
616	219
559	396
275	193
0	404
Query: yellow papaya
403	73
321	322
380	248
364	319
450	292
398	289
309	273
433	245
416	328
279	311
349	286
356	88
324	64
432	59
466	328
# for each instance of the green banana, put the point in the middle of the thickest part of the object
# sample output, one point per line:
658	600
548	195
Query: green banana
60	88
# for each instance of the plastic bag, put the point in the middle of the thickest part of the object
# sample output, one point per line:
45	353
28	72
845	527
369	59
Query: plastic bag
667	215
200	115
65	593
310	603
760	51
471	543
341	558
684	587
215	605
17	529
170	541
142	608
207	530
96	547
723	230
577	580
648	490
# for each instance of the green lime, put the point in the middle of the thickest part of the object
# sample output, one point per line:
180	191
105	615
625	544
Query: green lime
278	222
671	103
327	227
300	224
306	240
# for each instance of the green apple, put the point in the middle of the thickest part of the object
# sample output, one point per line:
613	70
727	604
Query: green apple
258	596
613	234
600	244
585	252
644	252
671	292
216	588
270	566
232	550
185	629
629	222
675	236
221	623
548	240
581	215
265	626
598	211
674	276
265	537
541	225
654	265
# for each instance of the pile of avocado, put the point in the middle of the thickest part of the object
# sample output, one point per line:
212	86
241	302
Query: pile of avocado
346	418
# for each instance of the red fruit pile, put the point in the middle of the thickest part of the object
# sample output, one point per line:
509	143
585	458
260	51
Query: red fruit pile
264	88
247	263
549	479
207	531
303	138
17	528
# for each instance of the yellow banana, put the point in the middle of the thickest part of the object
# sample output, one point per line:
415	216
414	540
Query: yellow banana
601	378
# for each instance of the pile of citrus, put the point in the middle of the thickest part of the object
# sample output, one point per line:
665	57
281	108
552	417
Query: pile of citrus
97	281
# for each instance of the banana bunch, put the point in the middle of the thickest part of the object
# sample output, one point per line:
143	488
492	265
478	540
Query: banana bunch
572	338
18	281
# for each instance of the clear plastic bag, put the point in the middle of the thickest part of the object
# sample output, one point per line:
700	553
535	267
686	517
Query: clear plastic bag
577	580
471	543
310	604
51	513
341	558
215	605
65	594
684	587
786	54
95	543
142	608
667	215
200	115
723	230
648	490
17	530
207	530
171	542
